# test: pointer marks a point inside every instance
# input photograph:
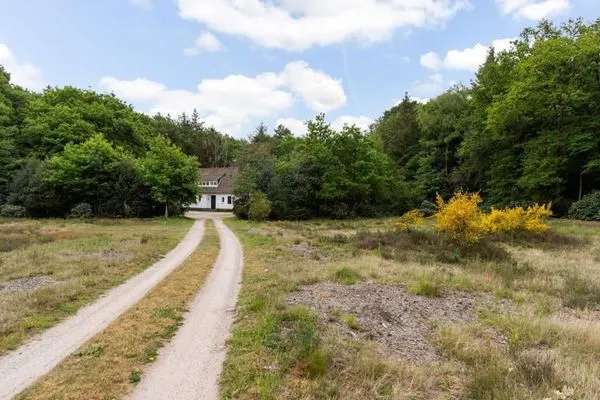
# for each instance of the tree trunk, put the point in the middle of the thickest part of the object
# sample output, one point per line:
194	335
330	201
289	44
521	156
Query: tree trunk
166	210
580	185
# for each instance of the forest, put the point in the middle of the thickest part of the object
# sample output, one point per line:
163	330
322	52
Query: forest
525	130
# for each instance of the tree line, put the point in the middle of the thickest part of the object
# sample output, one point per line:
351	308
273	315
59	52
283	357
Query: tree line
527	129
67	148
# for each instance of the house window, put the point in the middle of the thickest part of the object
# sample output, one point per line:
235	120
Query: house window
222	199
228	199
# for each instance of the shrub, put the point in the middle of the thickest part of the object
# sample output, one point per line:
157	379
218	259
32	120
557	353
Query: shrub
410	219
260	207
81	210
464	222
12	211
427	208
517	219
460	218
587	209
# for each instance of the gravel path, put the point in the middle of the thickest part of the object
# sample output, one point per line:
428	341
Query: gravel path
188	368
22	367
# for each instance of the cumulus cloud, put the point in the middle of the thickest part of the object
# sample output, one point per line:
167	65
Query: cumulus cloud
236	100
361	122
469	59
22	73
206	42
297	126
301	24
429	87
533	9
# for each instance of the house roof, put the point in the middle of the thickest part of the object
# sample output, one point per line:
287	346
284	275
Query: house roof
224	176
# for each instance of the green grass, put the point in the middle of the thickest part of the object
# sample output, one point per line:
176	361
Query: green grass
535	331
81	260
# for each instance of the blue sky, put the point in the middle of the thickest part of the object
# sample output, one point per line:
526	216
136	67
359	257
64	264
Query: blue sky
240	62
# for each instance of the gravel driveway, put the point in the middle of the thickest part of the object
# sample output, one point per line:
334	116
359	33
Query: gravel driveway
189	366
22	367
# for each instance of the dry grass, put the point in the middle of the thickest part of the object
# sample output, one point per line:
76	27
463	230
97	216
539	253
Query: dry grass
73	262
109	365
535	335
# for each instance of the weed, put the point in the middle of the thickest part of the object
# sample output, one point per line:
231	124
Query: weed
135	377
347	276
351	321
425	287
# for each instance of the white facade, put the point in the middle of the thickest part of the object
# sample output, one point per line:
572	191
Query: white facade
220	201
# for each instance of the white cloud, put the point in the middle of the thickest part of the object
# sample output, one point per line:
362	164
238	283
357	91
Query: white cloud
533	9
297	127
431	60
301	24
207	42
469	59
22	73
320	92
145	4
235	101
361	122
430	87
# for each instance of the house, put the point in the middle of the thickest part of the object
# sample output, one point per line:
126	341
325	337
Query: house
216	188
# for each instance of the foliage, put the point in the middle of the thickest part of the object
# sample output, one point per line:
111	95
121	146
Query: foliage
587	209
460	218
464	222
517	219
12	211
259	207
171	175
409	219
81	210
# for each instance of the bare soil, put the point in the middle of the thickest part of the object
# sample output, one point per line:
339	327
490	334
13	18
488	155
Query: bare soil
399	321
28	284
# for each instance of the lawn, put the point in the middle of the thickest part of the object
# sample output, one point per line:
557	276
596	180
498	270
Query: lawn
50	268
357	310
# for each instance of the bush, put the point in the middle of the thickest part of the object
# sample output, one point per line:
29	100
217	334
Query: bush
517	219
260	207
427	208
460	218
464	222
409	220
587	209
12	211
81	210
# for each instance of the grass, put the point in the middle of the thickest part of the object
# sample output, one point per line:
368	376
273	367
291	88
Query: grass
78	261
110	364
535	333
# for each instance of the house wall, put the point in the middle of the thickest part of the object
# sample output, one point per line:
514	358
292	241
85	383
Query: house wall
204	202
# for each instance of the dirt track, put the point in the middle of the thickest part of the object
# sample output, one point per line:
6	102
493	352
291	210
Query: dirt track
22	367
189	367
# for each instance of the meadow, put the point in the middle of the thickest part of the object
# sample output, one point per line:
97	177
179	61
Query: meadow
357	309
50	268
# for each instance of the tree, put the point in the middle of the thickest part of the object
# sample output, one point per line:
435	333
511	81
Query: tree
171	175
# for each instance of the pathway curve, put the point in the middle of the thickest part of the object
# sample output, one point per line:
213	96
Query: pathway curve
188	368
22	367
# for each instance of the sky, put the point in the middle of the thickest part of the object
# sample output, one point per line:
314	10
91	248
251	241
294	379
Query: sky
242	62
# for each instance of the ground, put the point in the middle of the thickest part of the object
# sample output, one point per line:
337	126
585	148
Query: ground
50	268
357	310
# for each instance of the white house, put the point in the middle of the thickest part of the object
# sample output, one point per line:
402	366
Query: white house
216	188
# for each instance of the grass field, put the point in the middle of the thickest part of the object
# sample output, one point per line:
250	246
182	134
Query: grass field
50	268
112	363
356	310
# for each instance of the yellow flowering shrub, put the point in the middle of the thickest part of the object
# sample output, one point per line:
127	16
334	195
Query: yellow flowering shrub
463	221
517	219
409	219
460	217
